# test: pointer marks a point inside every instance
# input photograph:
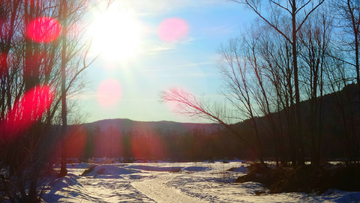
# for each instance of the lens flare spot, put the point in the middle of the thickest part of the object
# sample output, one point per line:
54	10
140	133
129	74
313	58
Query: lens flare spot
43	29
2	64
147	144
173	29
109	93
26	112
75	142
109	143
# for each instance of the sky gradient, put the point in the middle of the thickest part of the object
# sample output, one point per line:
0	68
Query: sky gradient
149	63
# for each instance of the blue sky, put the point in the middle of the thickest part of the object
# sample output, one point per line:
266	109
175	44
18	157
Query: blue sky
157	65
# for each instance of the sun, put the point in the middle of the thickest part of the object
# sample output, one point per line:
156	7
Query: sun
115	35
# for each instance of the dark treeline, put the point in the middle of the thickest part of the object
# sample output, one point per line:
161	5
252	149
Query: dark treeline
294	77
337	138
195	144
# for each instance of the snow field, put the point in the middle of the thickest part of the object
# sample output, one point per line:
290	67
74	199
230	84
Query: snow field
172	182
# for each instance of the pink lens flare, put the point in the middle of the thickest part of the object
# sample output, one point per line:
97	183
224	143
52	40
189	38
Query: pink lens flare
26	112
109	93
146	143
173	29
2	64
43	29
109	144
75	141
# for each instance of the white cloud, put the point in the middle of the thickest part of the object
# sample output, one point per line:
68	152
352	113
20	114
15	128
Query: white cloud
187	75
187	65
220	30
159	48
151	47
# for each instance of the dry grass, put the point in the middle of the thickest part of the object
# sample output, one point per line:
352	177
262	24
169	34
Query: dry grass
306	178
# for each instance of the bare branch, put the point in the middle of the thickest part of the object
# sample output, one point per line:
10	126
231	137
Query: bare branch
306	17
262	17
339	59
302	7
188	105
286	9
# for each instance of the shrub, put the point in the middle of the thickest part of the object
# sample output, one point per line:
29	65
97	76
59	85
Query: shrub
309	179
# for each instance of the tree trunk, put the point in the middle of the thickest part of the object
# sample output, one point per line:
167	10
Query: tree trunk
300	149
63	171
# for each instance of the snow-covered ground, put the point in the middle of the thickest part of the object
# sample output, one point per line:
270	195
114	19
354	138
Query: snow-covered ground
172	182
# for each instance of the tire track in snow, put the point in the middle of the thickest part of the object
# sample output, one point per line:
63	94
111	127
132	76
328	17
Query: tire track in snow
157	190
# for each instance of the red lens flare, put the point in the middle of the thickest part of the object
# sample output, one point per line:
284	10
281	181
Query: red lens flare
2	64
109	143
26	112
147	144
109	93
173	29
75	142
139	146
43	29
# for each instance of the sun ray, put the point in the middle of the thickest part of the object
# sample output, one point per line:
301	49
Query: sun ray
116	35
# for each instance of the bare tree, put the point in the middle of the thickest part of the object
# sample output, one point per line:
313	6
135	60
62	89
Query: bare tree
314	42
348	14
239	62
27	66
297	20
276	64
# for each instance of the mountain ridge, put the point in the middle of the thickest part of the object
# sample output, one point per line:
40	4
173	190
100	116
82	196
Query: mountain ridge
125	124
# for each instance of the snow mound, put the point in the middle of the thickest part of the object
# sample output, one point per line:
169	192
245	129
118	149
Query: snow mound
108	170
63	182
154	168
196	168
59	185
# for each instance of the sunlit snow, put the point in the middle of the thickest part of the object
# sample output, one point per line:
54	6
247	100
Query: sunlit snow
171	182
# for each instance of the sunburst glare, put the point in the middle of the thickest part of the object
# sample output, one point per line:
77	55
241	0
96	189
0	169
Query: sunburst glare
116	35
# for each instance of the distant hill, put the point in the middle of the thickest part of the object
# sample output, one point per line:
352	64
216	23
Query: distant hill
329	112
129	125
